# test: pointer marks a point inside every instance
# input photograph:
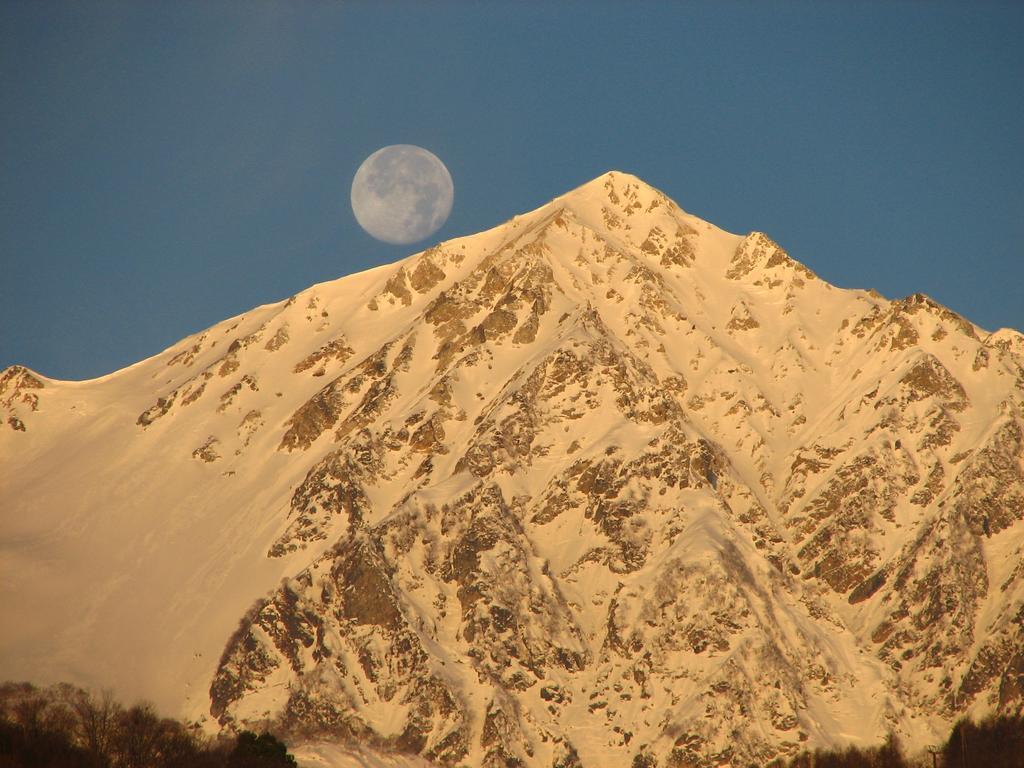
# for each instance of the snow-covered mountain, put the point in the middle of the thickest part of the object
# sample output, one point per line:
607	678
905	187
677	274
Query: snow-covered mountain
604	485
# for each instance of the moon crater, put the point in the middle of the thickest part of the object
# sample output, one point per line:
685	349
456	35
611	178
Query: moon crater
402	194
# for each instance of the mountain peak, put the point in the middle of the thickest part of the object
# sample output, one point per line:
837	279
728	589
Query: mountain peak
616	189
610	179
550	494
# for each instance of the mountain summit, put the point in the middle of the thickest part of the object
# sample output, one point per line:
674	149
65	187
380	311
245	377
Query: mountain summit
602	484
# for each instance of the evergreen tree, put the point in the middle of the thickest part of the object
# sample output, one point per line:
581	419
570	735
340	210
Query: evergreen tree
263	751
995	742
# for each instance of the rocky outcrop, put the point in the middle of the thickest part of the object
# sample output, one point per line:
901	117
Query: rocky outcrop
18	396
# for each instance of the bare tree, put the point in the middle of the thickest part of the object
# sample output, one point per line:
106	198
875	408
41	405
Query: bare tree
96	720
137	738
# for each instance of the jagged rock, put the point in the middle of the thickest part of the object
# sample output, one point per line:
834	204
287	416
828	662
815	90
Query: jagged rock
602	486
207	451
337	350
279	339
155	411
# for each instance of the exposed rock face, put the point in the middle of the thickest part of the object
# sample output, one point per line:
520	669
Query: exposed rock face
607	486
18	397
657	622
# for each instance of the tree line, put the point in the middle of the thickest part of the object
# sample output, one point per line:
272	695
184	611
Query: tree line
66	727
995	742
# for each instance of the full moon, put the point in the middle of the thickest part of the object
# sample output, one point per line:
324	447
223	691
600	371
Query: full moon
402	194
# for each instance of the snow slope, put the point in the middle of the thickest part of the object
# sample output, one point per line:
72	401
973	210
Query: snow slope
603	481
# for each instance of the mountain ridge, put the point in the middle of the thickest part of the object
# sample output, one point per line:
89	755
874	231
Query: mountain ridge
599	462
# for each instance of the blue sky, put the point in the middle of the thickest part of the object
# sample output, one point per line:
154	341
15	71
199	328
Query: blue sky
166	165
